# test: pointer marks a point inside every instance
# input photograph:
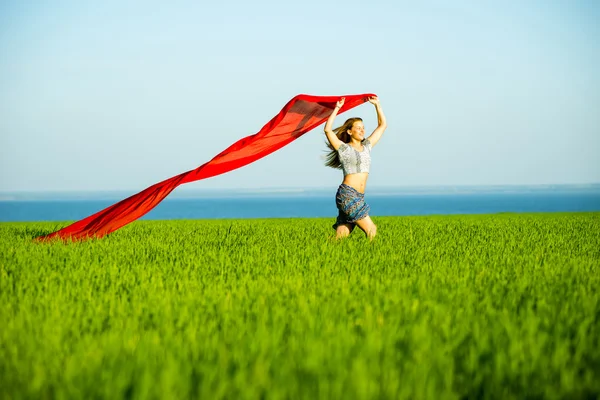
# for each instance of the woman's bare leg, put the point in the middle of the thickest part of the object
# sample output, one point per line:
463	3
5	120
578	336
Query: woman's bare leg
343	230
367	226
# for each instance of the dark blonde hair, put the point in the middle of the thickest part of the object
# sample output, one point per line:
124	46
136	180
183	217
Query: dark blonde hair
332	159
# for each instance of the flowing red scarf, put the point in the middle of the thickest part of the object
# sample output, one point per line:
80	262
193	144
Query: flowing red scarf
300	115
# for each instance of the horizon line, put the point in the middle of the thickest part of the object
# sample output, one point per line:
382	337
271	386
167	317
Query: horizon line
304	188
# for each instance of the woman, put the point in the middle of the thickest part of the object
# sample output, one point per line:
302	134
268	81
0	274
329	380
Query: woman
351	152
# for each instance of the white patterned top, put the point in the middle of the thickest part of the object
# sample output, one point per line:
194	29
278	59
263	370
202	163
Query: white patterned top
354	161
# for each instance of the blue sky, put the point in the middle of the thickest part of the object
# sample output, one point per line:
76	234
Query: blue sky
112	96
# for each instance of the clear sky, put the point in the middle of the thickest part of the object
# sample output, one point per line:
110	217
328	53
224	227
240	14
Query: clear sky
118	95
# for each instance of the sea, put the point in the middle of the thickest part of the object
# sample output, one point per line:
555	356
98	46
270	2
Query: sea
309	203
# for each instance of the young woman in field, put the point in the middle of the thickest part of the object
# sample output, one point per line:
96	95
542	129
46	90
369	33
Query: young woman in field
351	152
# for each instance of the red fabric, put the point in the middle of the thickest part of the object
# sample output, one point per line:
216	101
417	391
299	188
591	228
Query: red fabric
300	115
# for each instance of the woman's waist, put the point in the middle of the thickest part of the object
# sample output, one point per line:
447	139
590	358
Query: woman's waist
357	181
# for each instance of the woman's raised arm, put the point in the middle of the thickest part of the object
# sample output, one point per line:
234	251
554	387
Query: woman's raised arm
333	139
381	122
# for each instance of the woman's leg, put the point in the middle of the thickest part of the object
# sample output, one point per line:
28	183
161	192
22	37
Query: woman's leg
367	226
343	230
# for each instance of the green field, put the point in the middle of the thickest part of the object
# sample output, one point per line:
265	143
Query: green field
443	307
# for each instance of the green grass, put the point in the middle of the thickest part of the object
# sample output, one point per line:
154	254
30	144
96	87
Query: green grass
446	307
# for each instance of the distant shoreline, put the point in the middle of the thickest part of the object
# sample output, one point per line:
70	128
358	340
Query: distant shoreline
184	193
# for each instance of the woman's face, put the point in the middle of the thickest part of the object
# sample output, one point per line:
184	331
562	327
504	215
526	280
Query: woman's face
358	131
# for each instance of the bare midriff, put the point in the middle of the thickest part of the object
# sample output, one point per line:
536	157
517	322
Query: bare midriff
357	181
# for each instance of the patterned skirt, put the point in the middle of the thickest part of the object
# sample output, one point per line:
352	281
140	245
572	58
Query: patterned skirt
351	205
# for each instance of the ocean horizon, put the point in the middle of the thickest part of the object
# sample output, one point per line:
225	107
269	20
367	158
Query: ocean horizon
308	202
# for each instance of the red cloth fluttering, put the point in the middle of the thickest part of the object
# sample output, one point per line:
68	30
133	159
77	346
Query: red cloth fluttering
300	115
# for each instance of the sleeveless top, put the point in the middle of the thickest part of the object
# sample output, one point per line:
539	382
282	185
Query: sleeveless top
354	161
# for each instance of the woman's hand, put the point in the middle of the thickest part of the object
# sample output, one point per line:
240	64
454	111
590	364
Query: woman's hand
374	100
340	102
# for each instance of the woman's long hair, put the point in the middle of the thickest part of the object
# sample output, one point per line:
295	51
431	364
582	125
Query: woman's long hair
332	159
